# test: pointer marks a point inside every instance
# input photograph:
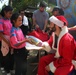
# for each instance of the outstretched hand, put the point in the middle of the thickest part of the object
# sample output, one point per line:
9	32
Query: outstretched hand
36	26
30	40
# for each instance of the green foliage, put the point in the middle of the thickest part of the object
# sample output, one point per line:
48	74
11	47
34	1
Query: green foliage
52	6
23	4
19	5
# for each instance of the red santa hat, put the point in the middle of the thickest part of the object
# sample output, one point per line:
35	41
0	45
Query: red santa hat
58	20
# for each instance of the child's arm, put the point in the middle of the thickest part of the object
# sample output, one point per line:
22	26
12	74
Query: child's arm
72	28
23	41
4	39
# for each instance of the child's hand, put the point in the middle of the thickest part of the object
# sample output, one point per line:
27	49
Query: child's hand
39	44
30	40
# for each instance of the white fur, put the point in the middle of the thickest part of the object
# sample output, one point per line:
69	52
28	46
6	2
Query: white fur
63	32
74	63
47	47
56	21
52	67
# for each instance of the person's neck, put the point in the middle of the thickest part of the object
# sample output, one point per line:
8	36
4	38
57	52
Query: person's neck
41	11
57	32
16	26
5	17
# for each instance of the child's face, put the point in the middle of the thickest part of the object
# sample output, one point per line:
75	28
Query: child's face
55	13
18	22
8	14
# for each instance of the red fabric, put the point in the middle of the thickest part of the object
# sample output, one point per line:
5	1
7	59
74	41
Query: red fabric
63	19
39	34
75	52
50	41
66	49
44	61
63	63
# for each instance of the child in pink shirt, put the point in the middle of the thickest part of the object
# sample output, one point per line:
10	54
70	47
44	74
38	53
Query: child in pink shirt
5	27
17	41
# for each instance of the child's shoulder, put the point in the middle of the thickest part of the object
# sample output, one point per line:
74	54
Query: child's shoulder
1	19
13	29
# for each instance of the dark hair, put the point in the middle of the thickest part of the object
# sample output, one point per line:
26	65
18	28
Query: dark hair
43	4
14	17
56	8
21	10
48	21
6	9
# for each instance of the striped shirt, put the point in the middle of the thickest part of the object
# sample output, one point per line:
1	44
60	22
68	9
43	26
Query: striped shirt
5	26
16	37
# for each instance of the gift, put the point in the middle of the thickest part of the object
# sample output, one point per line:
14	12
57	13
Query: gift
35	41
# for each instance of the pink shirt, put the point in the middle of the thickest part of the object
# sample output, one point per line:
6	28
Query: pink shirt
16	37
5	26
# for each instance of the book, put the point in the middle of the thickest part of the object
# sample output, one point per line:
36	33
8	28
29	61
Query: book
35	41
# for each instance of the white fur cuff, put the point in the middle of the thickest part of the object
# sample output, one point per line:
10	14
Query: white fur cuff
47	46
52	67
74	63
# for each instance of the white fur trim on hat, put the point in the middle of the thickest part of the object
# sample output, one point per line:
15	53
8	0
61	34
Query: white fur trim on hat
56	21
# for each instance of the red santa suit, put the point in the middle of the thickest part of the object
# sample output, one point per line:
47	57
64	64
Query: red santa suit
61	62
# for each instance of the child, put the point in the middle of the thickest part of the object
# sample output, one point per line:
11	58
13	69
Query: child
17	41
5	27
57	11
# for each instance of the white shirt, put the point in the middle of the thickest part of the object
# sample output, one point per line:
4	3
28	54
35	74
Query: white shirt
25	21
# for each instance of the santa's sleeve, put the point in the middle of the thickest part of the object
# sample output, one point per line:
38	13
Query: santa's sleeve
67	52
48	44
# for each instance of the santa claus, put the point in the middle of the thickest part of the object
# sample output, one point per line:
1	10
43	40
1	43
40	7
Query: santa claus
59	63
